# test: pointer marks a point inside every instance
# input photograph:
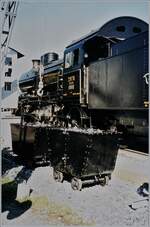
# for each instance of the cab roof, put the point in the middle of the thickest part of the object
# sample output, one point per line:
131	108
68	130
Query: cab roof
119	28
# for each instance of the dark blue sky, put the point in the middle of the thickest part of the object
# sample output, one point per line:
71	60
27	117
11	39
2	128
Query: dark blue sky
42	26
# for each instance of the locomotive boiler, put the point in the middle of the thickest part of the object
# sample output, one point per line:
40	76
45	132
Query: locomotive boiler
75	112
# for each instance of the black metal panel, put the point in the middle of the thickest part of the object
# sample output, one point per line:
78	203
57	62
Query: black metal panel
114	85
118	81
97	84
104	78
76	153
41	145
132	79
56	146
82	154
30	143
23	140
132	43
102	154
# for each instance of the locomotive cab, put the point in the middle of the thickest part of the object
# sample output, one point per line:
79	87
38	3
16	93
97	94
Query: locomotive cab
77	60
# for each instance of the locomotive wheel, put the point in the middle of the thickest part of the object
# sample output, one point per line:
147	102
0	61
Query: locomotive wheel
58	176
104	181
76	184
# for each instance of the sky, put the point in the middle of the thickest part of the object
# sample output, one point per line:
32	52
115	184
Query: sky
43	26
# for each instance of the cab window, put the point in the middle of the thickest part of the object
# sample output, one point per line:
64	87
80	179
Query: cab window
72	58
94	49
68	60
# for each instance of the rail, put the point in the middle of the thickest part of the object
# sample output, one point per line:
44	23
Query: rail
134	151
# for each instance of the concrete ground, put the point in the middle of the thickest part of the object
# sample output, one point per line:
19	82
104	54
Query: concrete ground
56	204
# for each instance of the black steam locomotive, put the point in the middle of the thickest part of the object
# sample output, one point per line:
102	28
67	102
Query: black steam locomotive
74	111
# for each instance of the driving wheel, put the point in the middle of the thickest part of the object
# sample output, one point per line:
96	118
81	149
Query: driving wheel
58	176
76	184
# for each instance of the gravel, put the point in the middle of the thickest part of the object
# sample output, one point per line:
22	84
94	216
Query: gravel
96	206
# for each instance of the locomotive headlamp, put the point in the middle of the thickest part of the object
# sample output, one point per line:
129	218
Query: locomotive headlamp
85	55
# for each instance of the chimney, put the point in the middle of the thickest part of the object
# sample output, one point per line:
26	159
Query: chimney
36	64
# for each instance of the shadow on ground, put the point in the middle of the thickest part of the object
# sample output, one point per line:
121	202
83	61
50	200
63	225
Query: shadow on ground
8	161
14	207
9	202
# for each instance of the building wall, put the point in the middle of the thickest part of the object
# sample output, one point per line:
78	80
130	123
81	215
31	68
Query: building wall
9	84
6	121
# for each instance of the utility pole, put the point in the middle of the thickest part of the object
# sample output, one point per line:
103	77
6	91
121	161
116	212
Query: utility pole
8	12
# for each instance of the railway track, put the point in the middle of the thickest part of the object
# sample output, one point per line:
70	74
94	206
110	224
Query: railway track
136	152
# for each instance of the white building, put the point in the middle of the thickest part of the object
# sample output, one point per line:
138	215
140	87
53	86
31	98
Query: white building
9	81
10	92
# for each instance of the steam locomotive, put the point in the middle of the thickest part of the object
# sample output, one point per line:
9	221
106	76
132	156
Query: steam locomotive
99	90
